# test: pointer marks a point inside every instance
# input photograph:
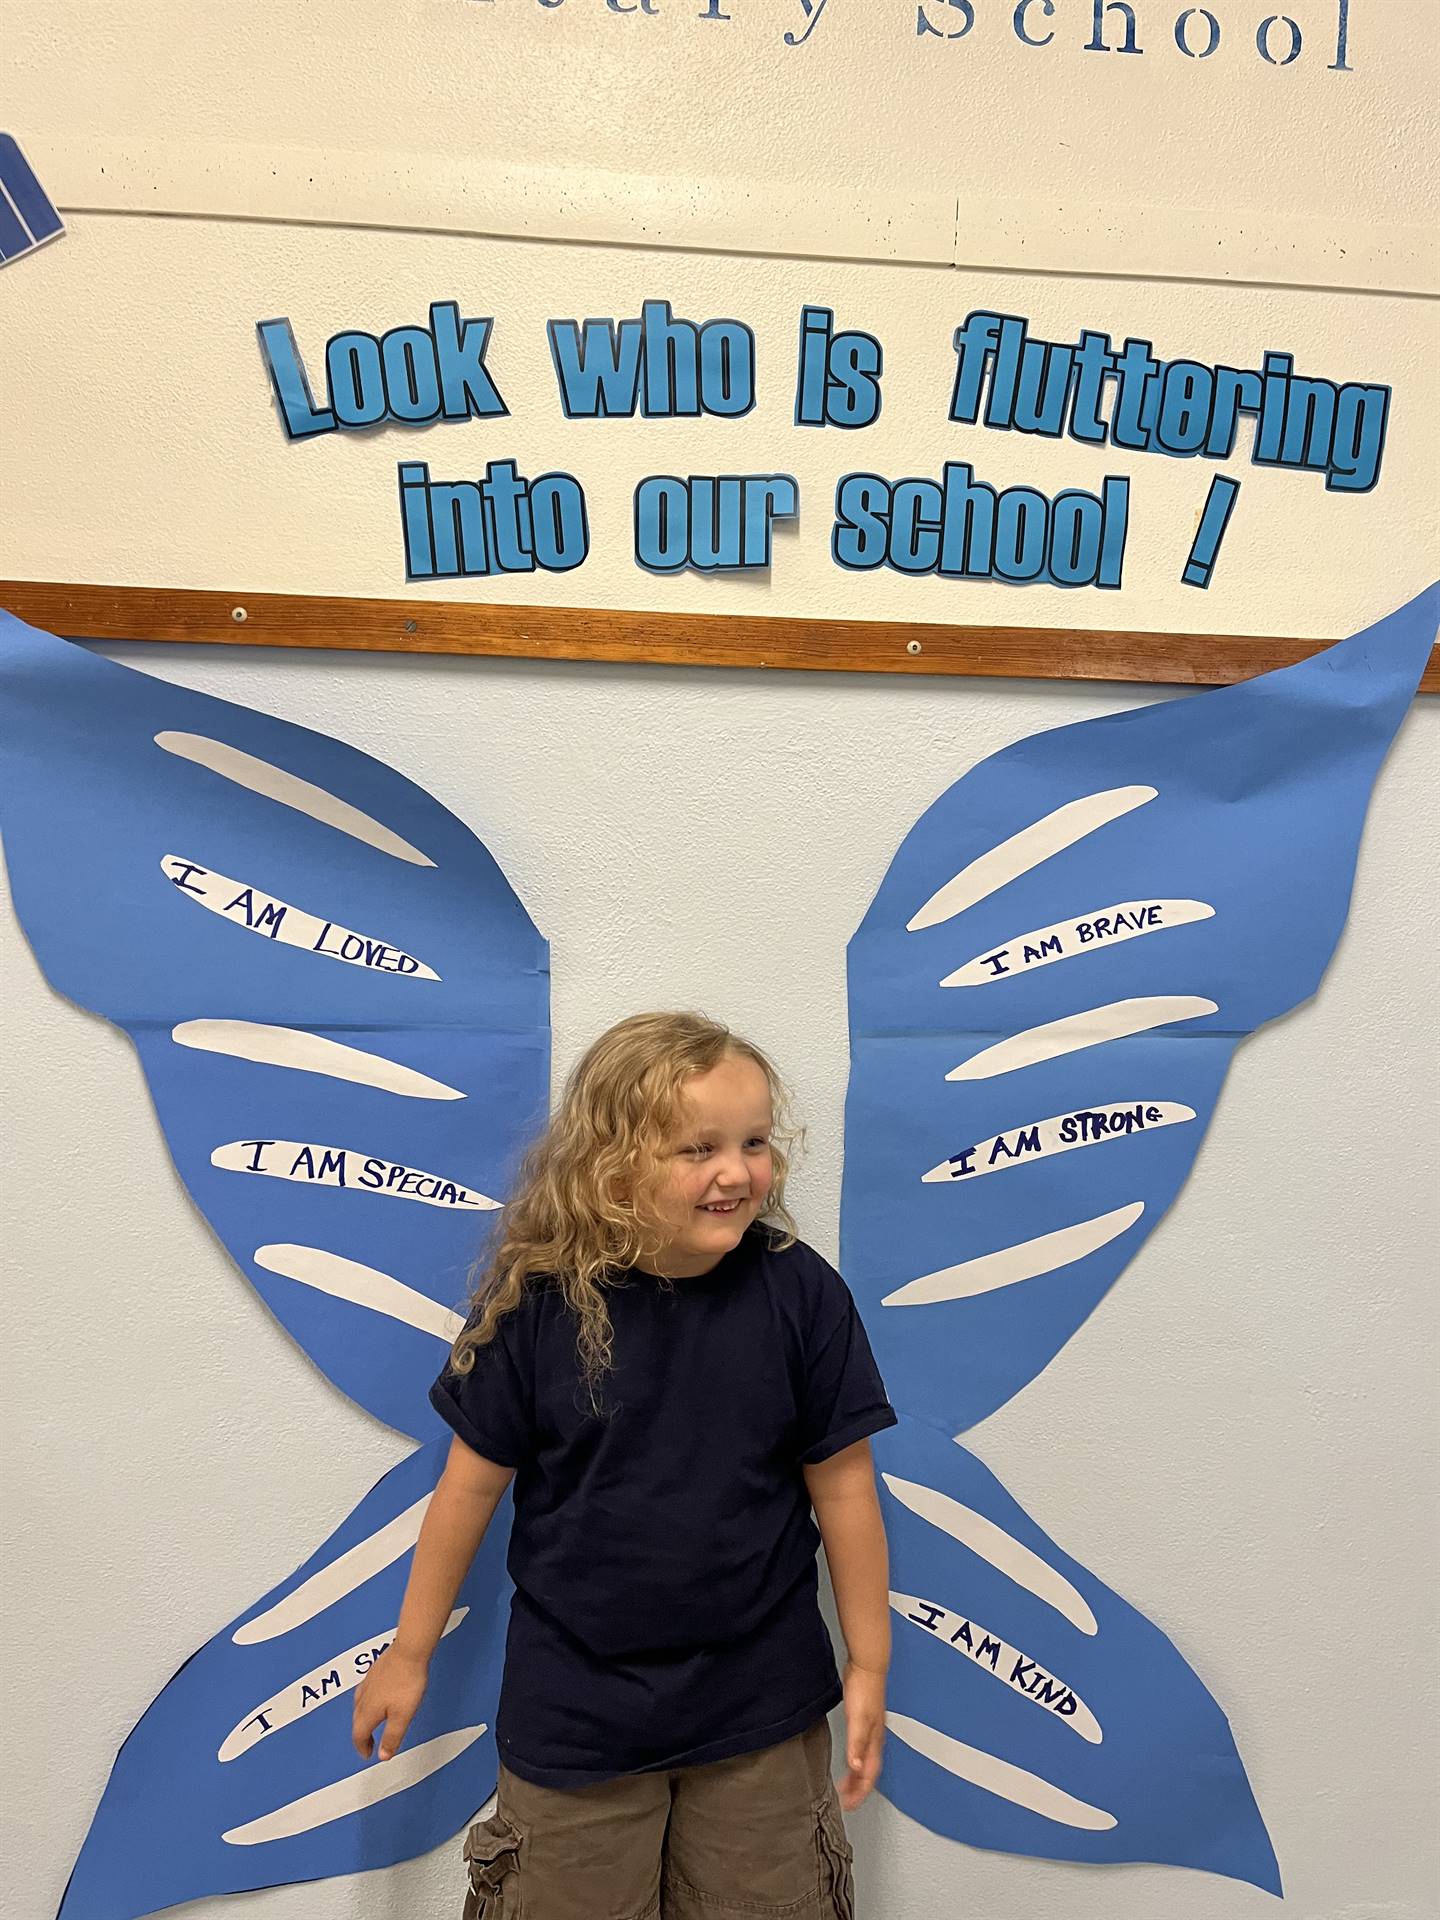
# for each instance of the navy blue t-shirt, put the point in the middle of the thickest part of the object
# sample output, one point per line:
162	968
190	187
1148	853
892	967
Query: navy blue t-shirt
665	1609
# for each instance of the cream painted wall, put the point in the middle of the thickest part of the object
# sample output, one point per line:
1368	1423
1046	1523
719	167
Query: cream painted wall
1242	1439
822	127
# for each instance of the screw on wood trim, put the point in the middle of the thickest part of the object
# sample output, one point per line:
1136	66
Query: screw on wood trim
913	646
237	614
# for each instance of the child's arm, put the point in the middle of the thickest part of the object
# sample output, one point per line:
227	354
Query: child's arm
847	1511
455	1522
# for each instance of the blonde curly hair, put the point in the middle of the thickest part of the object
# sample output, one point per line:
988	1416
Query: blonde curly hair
584	1206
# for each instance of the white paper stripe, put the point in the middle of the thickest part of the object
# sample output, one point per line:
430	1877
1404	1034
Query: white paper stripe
274	783
265	914
1000	1777
1026	1260
1041	840
342	1673
332	1582
317	1163
1076	1031
1060	1133
305	1052
379	1780
1003	1551
1091	932
364	1286
983	1649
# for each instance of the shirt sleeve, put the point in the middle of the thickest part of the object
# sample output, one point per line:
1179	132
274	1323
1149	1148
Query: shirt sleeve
491	1407
844	1398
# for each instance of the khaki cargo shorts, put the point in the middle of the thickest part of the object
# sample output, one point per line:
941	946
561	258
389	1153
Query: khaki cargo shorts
757	1837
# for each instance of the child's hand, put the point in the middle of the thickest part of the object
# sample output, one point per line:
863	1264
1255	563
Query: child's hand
392	1692
864	1733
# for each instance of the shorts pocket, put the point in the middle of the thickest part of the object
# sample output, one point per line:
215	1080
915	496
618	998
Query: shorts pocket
492	1855
837	1884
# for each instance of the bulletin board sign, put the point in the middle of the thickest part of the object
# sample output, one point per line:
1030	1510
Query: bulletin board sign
563	384
851	493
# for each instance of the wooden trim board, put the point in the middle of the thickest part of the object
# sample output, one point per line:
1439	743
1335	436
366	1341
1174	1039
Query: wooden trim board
87	612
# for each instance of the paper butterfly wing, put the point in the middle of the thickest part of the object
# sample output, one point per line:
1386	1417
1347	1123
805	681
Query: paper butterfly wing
1044	999
339	1002
242	1774
1031	1710
1046	991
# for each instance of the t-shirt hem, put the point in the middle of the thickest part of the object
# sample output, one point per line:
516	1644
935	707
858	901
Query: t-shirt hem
450	1412
725	1749
873	1422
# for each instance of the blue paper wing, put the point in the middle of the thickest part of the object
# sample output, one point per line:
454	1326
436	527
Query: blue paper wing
1044	998
241	1774
339	1002
1030	1709
1048	986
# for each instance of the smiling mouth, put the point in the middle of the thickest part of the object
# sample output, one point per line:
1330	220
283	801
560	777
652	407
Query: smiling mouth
721	1207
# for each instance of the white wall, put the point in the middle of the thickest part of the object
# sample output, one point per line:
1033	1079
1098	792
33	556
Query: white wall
1241	1439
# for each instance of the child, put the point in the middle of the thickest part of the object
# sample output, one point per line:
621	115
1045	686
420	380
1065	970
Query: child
673	1381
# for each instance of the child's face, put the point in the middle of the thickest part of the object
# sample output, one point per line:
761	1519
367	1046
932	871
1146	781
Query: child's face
715	1167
